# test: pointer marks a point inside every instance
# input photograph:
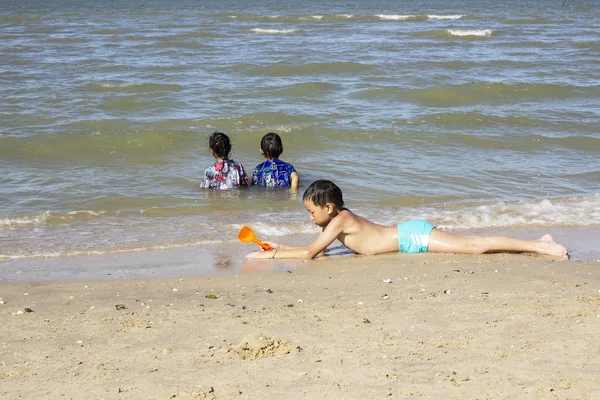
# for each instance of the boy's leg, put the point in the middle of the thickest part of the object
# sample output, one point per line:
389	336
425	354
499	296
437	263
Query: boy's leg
443	242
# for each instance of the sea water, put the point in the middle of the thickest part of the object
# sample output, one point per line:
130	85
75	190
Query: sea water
475	115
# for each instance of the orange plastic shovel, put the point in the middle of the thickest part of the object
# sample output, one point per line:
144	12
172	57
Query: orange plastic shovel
247	235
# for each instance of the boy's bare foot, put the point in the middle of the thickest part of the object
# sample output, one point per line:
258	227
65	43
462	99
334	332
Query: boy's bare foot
549	246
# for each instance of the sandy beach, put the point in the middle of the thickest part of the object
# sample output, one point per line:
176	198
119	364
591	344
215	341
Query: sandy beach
428	326
120	278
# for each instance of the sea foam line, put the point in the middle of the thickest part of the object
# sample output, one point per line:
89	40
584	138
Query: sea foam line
35	219
272	31
47	216
580	212
470	32
394	17
458	16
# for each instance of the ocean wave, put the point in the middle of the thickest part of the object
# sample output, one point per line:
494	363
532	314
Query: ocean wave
480	92
265	18
189	35
396	17
92	141
308	89
86	213
65	40
444	17
282	69
25	220
572	130
588	45
117	32
454	33
347	16
566	212
470	32
292	18
134	86
477	120
544	213
173	48
14	20
49	217
579	142
527	21
273	31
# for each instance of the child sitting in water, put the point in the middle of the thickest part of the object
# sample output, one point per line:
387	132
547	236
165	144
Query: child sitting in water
274	172
325	204
225	173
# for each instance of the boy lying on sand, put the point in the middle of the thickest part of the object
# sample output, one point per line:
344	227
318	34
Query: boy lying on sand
324	201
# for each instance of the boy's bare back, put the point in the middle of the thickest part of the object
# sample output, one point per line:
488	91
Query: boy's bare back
360	235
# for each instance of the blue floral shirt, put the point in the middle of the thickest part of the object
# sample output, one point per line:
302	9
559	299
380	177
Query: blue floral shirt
273	173
224	175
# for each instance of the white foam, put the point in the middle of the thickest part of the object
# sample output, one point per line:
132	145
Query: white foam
272	31
468	32
316	16
34	219
574	212
344	16
119	85
388	17
89	212
445	16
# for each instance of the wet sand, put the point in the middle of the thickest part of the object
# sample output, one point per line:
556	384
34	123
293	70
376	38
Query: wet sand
499	326
228	258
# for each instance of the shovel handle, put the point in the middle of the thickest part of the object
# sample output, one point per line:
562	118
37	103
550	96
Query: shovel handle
264	246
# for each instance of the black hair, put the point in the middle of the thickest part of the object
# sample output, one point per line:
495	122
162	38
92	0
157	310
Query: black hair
322	192
271	145
219	143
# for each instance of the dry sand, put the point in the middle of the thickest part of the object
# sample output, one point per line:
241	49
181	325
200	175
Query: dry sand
443	327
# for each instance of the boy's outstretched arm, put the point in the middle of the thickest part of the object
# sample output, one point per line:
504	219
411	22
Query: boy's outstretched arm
317	247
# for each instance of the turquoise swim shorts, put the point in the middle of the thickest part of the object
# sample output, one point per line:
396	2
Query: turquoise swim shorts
413	236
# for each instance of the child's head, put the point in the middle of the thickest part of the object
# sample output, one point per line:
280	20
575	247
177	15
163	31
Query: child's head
220	145
271	146
322	192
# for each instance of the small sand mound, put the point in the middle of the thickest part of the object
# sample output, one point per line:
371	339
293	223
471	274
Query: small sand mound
256	346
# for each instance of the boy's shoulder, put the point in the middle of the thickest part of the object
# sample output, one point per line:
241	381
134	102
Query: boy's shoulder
345	216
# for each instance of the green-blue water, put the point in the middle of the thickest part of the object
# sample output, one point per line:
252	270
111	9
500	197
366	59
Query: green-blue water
470	114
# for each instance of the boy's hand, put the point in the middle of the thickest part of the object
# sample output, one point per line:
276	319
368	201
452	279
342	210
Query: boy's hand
274	245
